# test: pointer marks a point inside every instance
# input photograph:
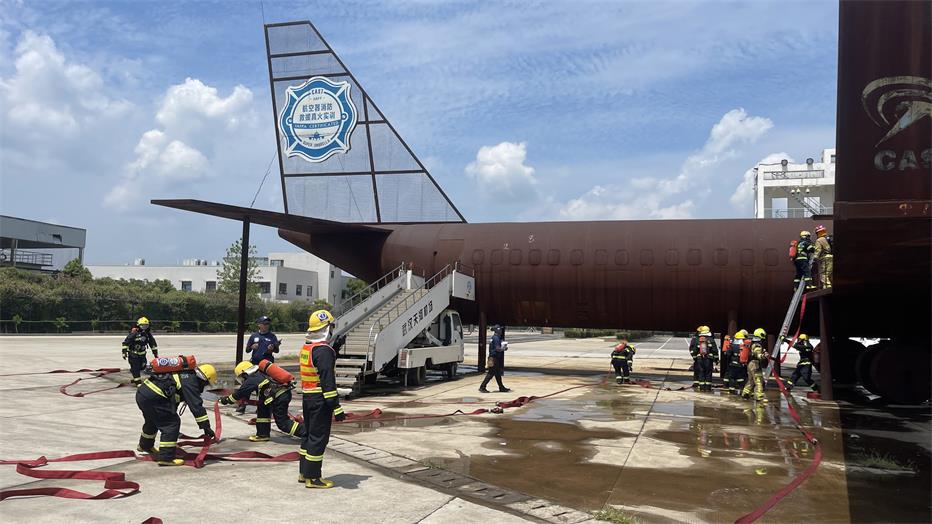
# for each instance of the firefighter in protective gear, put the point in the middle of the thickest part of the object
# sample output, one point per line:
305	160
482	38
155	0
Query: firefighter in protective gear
803	369
758	360
725	360
823	253
320	401
158	399
737	370
804	251
622	361
705	358
274	399
134	348
694	352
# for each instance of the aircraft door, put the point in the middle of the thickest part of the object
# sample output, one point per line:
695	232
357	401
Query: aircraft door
449	251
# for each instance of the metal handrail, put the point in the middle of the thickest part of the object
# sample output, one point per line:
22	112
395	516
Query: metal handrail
371	288
464	269
796	212
790	175
403	306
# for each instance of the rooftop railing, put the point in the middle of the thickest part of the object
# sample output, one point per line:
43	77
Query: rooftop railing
788	175
795	212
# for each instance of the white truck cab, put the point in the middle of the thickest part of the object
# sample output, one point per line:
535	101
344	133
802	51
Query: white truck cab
439	347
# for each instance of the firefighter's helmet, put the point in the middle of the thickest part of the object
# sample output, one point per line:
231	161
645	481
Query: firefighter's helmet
319	320
143	321
803	336
820	230
206	372
805	233
760	333
704	330
741	334
242	367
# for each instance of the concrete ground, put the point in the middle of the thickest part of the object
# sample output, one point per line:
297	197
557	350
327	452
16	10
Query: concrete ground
656	453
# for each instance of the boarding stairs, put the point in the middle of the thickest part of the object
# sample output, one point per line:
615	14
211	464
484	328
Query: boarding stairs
399	306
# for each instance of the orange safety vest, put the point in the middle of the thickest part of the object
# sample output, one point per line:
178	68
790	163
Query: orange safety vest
310	381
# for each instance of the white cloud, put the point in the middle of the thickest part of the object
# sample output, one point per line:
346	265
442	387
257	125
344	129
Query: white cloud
48	96
195	120
671	198
192	103
501	169
743	197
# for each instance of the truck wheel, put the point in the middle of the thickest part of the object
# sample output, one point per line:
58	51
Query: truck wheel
450	371
417	376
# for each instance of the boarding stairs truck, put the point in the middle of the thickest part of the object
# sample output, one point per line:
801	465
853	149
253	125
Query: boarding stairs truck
402	325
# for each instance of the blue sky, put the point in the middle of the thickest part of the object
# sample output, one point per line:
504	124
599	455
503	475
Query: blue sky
547	111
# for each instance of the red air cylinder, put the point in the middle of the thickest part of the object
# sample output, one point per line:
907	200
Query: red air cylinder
275	372
173	364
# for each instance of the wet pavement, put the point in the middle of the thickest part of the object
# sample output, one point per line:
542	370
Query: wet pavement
661	454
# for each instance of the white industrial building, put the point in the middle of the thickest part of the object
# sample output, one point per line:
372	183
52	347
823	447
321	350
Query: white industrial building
329	281
792	190
284	277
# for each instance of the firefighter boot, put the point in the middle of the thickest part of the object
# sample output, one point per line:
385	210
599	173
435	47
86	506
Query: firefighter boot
619	379
318	483
173	462
257	438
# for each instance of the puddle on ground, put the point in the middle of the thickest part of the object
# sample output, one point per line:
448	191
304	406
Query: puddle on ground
387	419
545	459
742	453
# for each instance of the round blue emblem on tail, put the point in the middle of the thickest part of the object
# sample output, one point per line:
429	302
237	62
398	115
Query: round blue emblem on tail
318	119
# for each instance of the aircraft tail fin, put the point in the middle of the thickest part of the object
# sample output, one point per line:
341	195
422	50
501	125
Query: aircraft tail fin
339	157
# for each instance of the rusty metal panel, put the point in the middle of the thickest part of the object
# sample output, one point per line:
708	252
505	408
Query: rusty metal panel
662	275
883	231
884	98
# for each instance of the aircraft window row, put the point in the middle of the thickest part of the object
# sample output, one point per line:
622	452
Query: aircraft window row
646	257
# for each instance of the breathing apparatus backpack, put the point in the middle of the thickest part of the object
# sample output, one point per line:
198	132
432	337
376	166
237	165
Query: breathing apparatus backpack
745	355
793	248
173	364
275	372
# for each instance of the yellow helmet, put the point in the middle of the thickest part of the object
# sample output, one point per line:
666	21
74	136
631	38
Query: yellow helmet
805	234
760	333
803	336
206	372
743	333
142	320
242	367
319	320
704	330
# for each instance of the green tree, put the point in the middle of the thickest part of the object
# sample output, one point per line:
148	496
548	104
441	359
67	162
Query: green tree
75	269
357	285
228	274
61	324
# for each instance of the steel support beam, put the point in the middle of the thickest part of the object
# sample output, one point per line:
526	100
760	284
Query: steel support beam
243	284
825	362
